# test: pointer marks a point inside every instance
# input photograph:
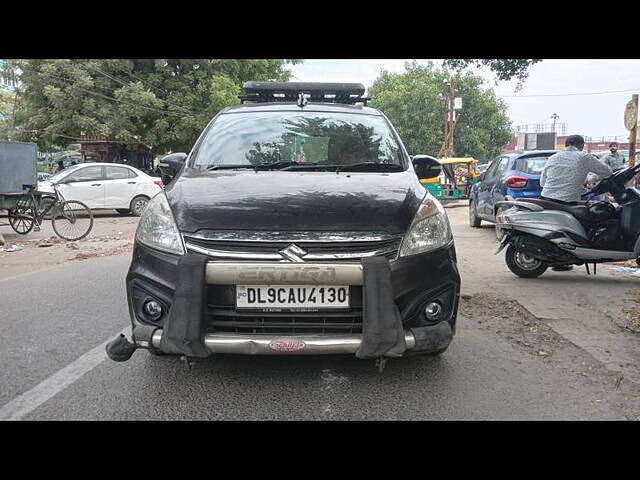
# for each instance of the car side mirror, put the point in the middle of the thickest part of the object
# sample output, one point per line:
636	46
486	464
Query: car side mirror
171	165
426	166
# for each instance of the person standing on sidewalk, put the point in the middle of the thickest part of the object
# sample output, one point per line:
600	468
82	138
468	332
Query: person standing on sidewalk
615	160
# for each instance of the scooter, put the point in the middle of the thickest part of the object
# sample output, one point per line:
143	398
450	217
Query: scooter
539	234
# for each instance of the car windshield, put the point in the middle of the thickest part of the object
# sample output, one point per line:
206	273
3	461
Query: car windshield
533	165
308	139
58	176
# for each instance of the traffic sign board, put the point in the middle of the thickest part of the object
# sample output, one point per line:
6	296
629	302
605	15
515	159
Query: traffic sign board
630	115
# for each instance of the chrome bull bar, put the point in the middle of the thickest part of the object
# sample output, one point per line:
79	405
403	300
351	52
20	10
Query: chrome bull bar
282	273
262	344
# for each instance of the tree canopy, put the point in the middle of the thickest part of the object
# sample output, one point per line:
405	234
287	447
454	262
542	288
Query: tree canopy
414	102
505	69
7	98
163	103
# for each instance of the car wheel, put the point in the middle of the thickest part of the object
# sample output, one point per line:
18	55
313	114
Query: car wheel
123	211
474	221
138	205
523	264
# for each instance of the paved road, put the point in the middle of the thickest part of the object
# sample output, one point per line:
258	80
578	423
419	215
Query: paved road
54	368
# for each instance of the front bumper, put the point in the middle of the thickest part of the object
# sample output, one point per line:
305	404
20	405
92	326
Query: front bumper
422	339
416	280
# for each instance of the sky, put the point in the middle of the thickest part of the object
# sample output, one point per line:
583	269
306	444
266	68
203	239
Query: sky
591	115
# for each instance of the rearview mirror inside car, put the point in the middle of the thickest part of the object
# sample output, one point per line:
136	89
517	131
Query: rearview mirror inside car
426	166
171	165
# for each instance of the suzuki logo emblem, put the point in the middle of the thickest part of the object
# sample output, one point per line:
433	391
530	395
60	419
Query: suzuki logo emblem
293	253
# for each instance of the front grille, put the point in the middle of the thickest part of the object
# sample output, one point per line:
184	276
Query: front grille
316	251
223	317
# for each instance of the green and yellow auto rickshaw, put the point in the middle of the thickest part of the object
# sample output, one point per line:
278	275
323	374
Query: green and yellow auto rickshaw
455	181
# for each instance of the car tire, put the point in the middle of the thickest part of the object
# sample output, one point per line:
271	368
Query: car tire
123	211
138	204
524	265
474	221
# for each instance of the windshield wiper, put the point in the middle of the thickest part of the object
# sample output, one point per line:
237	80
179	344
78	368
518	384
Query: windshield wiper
279	165
227	167
372	165
311	166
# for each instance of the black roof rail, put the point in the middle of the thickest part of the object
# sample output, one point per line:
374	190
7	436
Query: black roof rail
261	92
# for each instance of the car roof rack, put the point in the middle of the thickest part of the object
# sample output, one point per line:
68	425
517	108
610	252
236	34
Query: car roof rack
301	92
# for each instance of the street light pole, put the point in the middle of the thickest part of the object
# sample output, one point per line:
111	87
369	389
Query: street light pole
633	132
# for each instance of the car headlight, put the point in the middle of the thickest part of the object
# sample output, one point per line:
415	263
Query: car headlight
429	230
157	227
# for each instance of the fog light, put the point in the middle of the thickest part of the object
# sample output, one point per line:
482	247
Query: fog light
152	309
433	311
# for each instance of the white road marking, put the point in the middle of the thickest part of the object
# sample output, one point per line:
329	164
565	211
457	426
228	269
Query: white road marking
20	275
54	384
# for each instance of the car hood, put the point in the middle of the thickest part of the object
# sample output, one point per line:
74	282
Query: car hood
45	186
294	201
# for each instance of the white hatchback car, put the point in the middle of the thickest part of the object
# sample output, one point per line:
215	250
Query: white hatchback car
106	186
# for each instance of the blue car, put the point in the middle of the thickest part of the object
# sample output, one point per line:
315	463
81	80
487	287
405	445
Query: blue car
510	176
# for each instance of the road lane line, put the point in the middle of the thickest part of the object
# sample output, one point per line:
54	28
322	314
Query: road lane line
31	272
54	384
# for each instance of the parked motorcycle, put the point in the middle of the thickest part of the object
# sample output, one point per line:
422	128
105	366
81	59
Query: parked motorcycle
539	234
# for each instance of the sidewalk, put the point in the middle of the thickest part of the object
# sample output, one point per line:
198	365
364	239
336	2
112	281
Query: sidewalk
111	234
590	311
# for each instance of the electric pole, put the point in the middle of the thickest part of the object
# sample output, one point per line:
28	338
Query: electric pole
633	131
555	116
450	120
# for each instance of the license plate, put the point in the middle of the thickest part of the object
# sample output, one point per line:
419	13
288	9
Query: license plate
292	297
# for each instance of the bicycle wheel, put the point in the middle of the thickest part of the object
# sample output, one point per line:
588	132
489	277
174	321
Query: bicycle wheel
21	219
72	220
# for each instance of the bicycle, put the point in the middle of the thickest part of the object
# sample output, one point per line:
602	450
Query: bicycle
71	219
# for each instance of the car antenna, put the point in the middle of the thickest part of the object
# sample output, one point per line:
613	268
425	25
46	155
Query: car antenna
303	98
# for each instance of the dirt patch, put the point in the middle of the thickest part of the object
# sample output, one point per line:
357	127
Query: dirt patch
83	256
633	315
511	321
102	251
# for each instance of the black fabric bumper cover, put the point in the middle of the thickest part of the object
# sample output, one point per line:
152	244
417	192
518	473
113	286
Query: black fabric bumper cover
183	329
382	329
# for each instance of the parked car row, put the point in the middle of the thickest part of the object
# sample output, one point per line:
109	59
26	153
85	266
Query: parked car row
105	186
510	176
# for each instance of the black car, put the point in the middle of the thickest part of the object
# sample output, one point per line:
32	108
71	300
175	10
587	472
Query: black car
296	225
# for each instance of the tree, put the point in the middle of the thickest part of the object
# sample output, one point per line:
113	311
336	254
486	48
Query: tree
506	69
414	102
163	103
7	102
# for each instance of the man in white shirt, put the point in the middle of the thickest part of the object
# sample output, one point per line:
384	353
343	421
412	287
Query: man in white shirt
565	172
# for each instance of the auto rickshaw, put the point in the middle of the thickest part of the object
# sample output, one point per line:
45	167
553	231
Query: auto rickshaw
455	181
